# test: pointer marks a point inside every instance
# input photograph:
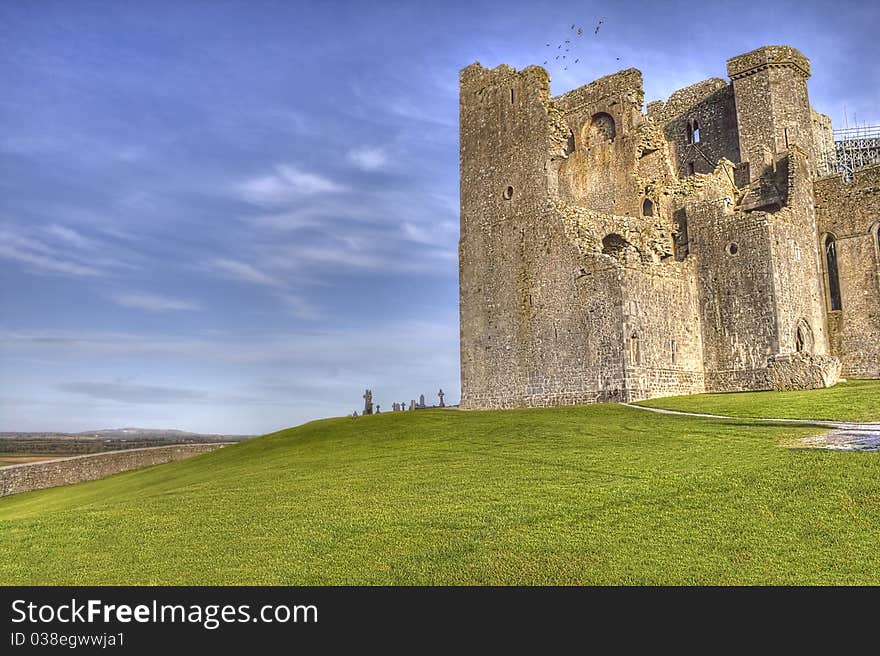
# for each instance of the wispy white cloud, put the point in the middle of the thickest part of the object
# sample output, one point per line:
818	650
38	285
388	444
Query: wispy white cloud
38	256
153	302
69	236
241	271
286	183
368	158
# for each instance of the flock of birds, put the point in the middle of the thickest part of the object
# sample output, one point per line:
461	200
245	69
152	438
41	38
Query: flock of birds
565	55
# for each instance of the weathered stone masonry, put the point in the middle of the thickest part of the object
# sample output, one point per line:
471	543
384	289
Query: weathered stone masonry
92	466
611	255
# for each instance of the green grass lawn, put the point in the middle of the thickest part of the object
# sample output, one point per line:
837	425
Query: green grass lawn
853	400
600	494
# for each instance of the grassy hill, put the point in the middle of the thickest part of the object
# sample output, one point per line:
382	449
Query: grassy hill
852	400
578	495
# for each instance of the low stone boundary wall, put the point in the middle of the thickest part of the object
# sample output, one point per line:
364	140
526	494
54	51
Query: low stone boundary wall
92	466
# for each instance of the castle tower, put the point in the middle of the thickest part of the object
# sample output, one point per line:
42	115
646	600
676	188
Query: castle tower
505	141
772	106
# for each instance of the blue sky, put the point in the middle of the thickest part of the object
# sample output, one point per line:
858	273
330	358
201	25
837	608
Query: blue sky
235	216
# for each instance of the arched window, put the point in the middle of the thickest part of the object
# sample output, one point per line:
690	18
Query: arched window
832	276
634	355
696	131
602	129
648	207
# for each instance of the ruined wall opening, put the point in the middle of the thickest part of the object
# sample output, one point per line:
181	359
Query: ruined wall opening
569	144
615	245
832	277
680	235
508	193
803	338
648	207
693	131
602	129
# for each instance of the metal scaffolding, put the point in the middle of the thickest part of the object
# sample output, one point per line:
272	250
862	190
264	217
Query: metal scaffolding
855	148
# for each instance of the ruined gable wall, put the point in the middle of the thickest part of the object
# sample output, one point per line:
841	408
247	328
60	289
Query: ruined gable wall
823	143
851	212
598	173
711	104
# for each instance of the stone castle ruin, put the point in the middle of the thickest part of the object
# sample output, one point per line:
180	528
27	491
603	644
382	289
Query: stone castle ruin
608	254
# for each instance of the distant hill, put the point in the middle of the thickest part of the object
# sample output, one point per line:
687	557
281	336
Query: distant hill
108	439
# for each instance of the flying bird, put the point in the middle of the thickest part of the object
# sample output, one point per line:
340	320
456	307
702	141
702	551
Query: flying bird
580	31
576	60
601	20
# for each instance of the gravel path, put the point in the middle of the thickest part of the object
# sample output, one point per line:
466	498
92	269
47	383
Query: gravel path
842	436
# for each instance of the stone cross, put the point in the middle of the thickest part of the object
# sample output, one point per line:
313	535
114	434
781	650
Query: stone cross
377	408
441	395
395	406
368	402
421	400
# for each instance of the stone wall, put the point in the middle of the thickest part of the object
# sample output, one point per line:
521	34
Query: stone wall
850	211
78	469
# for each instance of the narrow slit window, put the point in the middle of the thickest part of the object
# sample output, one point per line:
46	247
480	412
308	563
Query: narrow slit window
634	354
832	272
